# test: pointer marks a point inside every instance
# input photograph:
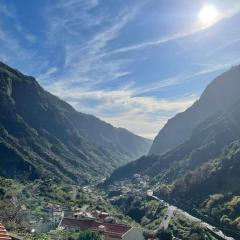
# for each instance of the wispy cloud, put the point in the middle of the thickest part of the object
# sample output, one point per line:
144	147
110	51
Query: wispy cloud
190	30
90	64
85	57
162	84
219	66
13	50
78	60
48	74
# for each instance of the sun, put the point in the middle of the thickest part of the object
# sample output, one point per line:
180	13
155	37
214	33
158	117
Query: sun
208	15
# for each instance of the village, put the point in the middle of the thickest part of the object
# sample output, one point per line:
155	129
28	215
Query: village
126	209
74	218
48	216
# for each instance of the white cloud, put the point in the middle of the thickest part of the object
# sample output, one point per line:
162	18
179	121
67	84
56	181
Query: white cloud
142	115
190	30
214	67
87	63
156	86
47	74
12	51
85	58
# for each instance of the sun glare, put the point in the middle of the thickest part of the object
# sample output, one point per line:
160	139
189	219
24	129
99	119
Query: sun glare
208	15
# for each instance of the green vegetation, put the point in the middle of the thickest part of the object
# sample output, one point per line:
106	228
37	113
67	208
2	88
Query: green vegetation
50	152
63	235
23	206
201	175
149	213
164	235
183	228
43	137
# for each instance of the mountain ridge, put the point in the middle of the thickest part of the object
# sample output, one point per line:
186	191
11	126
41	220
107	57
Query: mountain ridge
205	143
200	175
40	129
218	95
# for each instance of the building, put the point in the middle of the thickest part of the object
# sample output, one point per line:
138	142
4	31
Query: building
82	214
110	231
99	214
3	233
56	216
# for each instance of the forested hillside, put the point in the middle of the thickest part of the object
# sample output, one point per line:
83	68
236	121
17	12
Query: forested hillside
203	172
42	136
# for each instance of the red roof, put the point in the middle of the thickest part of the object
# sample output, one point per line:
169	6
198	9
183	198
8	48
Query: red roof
116	230
3	233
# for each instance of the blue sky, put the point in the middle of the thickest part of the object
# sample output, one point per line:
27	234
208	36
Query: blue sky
133	63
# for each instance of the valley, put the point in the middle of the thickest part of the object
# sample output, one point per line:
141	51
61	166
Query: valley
51	177
119	120
65	174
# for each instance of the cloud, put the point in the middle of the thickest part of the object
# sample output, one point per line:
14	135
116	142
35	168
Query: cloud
75	62
213	67
85	59
141	114
7	10
157	42
191	30
156	86
48	74
13	49
227	44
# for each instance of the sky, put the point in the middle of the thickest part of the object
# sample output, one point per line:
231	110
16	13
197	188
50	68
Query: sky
132	63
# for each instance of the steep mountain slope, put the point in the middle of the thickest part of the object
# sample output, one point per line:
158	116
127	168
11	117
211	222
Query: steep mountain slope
218	96
206	143
43	136
202	174
213	189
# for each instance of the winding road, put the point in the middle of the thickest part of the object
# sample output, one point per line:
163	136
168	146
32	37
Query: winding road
170	213
172	209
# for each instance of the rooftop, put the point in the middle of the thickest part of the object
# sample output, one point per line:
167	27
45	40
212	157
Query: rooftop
117	230
3	233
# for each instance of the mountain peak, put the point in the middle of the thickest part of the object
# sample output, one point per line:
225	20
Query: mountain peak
219	95
42	132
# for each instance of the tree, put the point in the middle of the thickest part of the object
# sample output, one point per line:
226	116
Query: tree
10	214
164	235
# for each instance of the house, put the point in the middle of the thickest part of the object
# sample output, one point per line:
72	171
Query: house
109	231
100	214
49	207
3	233
82	214
57	215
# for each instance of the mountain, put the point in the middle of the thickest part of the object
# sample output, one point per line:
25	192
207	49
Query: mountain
43	136
218	96
206	143
201	175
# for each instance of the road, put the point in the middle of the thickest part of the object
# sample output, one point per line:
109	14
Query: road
172	209
170	212
208	226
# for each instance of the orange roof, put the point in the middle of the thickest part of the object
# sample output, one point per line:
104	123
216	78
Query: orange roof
117	230
4	234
